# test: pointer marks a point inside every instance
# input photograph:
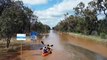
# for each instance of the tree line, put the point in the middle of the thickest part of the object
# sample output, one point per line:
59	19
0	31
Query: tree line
15	18
40	28
86	20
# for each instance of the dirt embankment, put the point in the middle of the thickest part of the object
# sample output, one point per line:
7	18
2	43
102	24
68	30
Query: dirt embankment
8	53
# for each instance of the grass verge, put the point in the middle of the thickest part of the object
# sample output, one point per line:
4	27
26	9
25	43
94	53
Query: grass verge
96	39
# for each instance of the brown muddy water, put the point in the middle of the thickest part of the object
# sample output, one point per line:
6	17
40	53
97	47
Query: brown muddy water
65	48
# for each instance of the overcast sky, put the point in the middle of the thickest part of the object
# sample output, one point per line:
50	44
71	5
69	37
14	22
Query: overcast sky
51	12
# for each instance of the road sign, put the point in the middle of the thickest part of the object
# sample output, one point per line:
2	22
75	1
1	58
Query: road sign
21	37
34	35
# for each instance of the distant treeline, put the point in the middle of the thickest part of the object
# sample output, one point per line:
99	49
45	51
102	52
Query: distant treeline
85	20
40	28
16	18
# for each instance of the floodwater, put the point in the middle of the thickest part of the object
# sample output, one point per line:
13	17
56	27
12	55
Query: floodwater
65	48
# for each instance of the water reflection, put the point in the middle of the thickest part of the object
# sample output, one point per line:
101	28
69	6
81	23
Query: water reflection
54	39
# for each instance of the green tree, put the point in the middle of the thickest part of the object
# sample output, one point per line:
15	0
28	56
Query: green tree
40	28
102	6
13	20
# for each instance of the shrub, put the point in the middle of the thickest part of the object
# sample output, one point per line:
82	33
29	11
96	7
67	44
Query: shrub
103	35
13	49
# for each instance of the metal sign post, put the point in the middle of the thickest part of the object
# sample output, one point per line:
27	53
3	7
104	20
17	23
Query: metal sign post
21	50
21	37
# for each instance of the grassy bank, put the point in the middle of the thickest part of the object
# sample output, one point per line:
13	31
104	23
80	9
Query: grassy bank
12	52
9	53
96	39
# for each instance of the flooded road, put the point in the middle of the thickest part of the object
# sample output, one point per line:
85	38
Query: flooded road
62	50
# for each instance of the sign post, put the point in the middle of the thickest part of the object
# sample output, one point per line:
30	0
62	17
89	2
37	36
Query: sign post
21	37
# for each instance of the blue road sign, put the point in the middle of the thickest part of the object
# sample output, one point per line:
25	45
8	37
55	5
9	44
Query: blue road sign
34	35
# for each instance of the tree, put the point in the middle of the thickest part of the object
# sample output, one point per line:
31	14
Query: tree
13	20
40	28
4	4
102	6
102	26
84	21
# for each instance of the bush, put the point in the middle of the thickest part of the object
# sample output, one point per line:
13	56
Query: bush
103	35
13	49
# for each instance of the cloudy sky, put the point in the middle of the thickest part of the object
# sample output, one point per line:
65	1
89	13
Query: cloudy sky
51	12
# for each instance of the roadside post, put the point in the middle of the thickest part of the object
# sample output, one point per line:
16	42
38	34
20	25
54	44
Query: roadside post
21	37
